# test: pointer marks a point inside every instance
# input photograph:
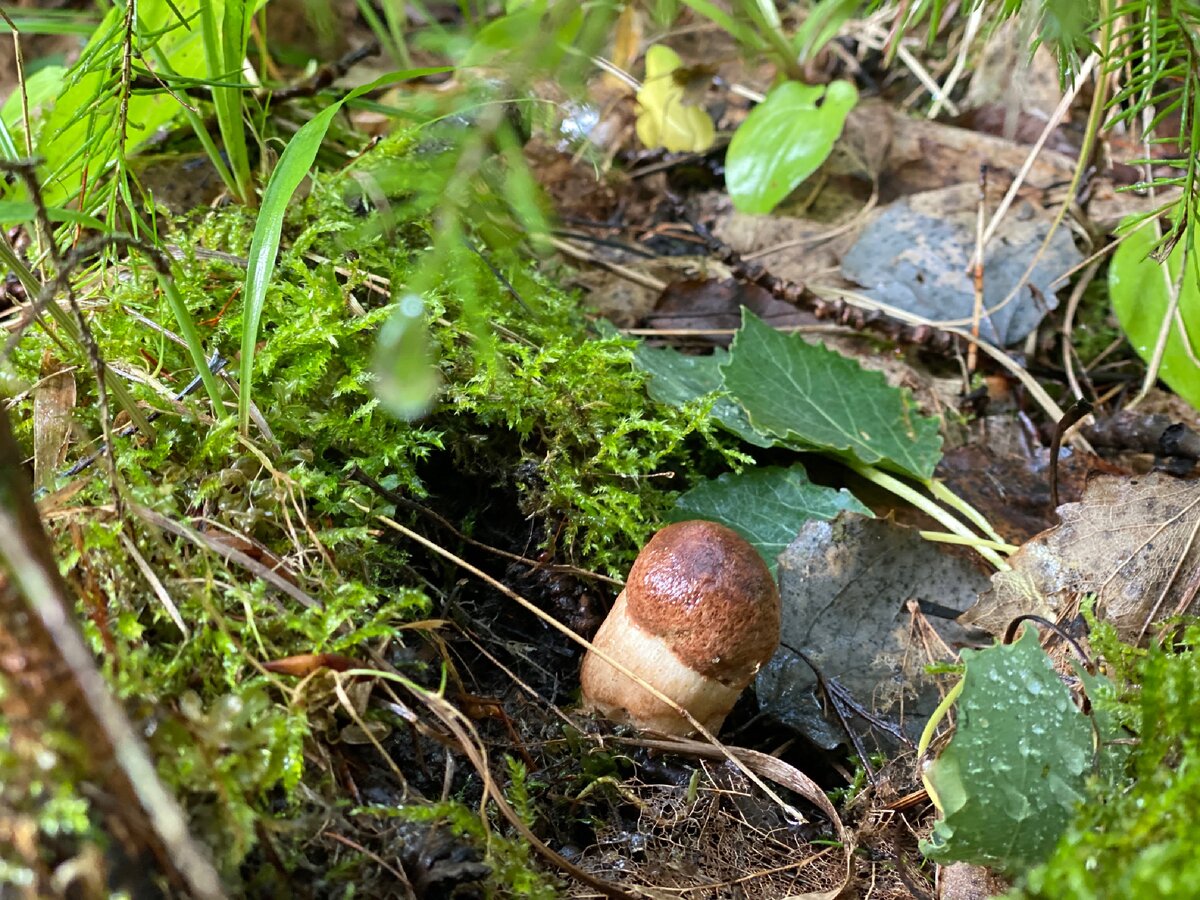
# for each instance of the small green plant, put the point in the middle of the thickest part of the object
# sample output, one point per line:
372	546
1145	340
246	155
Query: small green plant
1158	305
792	130
225	43
1009	781
293	166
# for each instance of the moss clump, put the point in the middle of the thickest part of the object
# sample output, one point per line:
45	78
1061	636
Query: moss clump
538	420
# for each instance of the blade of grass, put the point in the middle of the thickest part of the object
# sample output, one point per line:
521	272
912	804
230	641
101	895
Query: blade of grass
51	21
746	36
293	165
187	330
8	147
14	211
223	54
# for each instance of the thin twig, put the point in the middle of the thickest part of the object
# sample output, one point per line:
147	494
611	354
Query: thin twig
1068	331
960	63
927	80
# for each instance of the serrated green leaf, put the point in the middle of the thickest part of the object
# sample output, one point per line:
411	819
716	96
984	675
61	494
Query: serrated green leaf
783	141
1141	293
765	506
289	171
676	379
1010	778
807	394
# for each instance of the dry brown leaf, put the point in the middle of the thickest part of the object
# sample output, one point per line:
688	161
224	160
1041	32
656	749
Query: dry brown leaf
1011	485
711	304
1131	541
925	155
53	402
627	41
846	587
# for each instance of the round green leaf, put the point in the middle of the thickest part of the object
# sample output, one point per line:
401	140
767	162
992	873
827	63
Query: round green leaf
783	141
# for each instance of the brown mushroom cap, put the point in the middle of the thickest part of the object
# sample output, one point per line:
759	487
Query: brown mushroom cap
709	596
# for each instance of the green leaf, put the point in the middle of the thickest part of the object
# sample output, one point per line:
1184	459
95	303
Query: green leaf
81	132
13	211
42	88
783	141
226	34
293	165
1141	292
766	506
555	31
1010	778
806	394
822	25
676	379
744	35
50	21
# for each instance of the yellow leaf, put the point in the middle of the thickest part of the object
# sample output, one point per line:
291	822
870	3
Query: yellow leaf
664	119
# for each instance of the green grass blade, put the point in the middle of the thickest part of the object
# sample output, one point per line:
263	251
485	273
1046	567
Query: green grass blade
191	337
8	147
293	165
50	22
747	37
223	60
15	211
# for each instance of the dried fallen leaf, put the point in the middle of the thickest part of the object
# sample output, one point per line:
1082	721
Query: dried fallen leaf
1131	541
664	117
53	402
709	304
1012	488
846	587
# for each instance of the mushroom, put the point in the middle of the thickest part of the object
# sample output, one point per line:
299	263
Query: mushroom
698	617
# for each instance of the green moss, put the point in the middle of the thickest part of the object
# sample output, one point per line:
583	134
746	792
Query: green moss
547	417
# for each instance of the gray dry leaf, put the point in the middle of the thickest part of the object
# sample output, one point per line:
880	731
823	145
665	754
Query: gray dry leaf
846	586
1131	541
916	255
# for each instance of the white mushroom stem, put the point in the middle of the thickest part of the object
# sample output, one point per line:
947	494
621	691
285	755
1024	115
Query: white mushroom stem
618	697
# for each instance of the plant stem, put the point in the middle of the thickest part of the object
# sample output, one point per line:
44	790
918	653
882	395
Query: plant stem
926	505
940	537
945	495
